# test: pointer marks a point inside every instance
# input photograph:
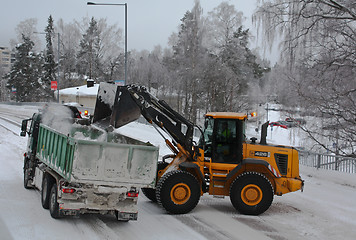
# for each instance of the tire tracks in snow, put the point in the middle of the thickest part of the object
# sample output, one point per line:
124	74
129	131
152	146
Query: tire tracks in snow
2	120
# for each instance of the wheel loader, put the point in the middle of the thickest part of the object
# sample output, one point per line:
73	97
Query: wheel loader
222	163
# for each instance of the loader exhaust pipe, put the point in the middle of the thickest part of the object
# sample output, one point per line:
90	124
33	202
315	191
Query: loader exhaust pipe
264	133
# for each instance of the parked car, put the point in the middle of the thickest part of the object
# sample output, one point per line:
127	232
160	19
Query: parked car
296	121
282	124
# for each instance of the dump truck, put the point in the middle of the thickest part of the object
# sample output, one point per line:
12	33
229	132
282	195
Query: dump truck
86	170
223	162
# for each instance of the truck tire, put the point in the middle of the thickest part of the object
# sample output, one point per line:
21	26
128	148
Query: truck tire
53	203
150	193
26	175
178	192
47	183
251	193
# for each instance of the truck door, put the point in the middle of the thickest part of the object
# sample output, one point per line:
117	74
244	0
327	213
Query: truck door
34	129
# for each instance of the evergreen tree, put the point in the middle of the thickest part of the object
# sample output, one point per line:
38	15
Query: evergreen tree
188	59
89	53
25	73
49	66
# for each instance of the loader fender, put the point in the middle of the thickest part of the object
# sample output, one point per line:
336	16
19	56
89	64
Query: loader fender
188	165
233	172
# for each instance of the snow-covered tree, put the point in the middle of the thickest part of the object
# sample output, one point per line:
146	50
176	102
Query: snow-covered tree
319	57
89	53
28	28
70	36
222	22
100	56
25	75
188	53
49	65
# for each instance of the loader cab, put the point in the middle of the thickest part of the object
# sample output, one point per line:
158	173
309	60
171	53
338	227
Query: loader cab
223	137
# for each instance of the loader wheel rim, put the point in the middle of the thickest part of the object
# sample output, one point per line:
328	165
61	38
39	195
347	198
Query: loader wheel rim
180	193
251	194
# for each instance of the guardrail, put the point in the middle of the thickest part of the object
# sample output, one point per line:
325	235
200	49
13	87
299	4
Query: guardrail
328	161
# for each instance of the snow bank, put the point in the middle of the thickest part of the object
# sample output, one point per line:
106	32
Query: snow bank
81	90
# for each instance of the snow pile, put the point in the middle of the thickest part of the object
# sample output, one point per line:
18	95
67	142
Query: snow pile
58	117
81	90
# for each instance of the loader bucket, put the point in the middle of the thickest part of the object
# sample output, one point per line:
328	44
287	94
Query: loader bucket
114	106
104	102
125	109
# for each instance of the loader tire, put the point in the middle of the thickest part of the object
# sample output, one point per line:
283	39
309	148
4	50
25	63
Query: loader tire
150	193
178	192
53	203
46	190
251	193
26	175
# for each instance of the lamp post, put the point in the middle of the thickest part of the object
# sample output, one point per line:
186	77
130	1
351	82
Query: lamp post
117	4
58	34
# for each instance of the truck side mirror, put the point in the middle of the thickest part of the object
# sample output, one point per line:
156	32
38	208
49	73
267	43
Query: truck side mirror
23	128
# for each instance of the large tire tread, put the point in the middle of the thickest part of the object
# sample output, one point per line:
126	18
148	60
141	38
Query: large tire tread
26	175
47	183
165	185
253	178
53	204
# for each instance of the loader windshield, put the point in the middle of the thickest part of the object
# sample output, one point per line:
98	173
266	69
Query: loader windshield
222	139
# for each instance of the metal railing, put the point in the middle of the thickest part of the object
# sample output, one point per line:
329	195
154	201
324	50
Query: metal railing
328	161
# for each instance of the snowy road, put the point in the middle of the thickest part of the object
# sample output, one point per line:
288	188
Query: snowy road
326	210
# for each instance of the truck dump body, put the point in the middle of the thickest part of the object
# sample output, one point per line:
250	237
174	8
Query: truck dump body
97	157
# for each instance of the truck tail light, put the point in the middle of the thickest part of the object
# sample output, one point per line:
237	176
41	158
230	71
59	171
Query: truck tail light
68	190
86	113
132	194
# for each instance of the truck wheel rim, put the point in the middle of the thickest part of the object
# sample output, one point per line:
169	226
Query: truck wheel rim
180	193
251	194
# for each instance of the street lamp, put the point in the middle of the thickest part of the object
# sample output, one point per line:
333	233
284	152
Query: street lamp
117	4
57	62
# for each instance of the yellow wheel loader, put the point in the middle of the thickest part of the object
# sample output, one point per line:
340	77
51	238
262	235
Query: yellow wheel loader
222	163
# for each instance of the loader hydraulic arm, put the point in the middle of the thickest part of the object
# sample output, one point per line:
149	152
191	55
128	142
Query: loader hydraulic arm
131	101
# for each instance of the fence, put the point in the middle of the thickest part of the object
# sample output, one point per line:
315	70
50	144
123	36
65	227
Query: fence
327	161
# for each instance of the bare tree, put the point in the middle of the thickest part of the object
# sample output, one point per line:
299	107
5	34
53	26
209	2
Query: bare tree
70	36
28	28
222	22
318	49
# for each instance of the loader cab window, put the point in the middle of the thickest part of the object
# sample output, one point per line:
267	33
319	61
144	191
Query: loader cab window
227	144
207	137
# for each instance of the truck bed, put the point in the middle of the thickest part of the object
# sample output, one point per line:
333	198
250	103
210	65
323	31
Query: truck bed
92	156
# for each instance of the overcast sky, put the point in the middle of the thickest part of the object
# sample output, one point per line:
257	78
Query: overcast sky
149	22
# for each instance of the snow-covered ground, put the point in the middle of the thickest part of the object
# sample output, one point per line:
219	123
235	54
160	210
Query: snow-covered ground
325	210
